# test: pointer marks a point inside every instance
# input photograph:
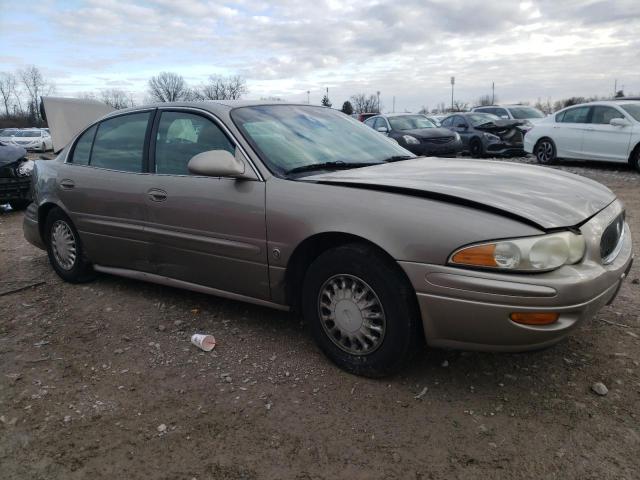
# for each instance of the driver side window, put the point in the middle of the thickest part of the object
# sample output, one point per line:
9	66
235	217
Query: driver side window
183	135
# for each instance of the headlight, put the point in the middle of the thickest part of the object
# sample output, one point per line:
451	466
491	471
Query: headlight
457	135
491	137
531	254
25	168
411	140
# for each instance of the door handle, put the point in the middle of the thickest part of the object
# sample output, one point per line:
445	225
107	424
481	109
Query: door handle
157	195
67	184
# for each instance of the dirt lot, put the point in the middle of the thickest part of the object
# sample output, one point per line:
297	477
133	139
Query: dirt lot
100	381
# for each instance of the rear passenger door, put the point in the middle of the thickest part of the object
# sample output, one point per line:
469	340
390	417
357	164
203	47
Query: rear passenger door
205	230
102	187
603	141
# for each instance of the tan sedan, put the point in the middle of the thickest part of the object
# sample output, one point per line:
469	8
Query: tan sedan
302	207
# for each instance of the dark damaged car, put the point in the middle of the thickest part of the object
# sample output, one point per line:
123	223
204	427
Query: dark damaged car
15	176
484	134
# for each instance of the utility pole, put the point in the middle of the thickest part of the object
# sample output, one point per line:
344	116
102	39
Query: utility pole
493	93
378	93
308	93
615	87
453	82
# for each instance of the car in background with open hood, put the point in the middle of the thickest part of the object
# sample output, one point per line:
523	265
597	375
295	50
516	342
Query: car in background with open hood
302	207
484	134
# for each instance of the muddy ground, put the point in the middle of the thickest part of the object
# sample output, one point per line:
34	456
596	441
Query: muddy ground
100	381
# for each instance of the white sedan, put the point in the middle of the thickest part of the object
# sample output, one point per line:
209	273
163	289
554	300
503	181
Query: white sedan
606	131
32	139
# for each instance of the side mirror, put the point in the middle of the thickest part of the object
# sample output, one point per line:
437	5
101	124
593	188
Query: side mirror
216	163
382	129
619	122
461	125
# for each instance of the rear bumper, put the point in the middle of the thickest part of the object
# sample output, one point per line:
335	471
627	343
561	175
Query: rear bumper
30	227
470	309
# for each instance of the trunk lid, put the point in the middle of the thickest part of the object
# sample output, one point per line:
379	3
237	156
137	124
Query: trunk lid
541	196
67	117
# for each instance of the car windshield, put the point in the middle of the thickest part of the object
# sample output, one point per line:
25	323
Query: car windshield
522	113
632	109
291	137
27	134
410	122
481	118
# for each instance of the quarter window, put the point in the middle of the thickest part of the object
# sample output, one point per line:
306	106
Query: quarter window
575	115
447	122
181	136
603	115
119	143
82	150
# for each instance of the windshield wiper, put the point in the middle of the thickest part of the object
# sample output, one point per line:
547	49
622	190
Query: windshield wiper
397	158
338	165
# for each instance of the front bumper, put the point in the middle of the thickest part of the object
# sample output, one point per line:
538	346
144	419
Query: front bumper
424	148
470	309
14	189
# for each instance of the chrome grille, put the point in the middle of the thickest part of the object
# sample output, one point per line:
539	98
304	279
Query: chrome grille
611	240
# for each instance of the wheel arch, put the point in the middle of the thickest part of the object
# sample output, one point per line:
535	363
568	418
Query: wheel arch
43	211
310	249
632	155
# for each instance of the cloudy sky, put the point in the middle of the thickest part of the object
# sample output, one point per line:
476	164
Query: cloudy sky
403	48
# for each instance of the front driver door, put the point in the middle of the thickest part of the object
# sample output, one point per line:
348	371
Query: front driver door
204	230
568	133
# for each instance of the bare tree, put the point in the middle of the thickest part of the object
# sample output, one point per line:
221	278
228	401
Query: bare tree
116	98
36	85
486	100
7	89
363	104
424	110
221	88
168	87
460	106
545	107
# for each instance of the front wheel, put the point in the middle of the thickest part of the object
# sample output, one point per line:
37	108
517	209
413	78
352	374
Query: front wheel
64	248
635	159
545	151
475	148
361	310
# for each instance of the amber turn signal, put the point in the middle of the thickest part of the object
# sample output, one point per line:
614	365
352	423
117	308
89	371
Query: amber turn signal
535	318
482	255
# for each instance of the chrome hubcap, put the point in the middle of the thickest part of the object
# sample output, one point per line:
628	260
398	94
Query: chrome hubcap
63	244
351	314
545	152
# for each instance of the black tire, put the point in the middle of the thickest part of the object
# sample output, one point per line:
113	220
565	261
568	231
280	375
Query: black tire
79	270
635	158
475	148
19	204
401	328
545	151
43	148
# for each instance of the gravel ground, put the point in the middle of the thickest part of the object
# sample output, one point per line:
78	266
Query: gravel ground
100	381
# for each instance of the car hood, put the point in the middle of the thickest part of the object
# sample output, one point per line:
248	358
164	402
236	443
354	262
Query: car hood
10	154
429	132
544	197
499	125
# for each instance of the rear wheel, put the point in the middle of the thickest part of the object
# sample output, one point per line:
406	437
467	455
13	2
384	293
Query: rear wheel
475	148
361	311
635	158
545	151
19	204
64	248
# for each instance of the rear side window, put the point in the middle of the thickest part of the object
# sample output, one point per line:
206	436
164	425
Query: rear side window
575	115
119	143
82	150
501	112
181	136
603	115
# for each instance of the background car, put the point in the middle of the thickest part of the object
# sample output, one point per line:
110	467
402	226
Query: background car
606	131
529	115
436	119
363	116
417	133
32	139
15	176
485	134
7	133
